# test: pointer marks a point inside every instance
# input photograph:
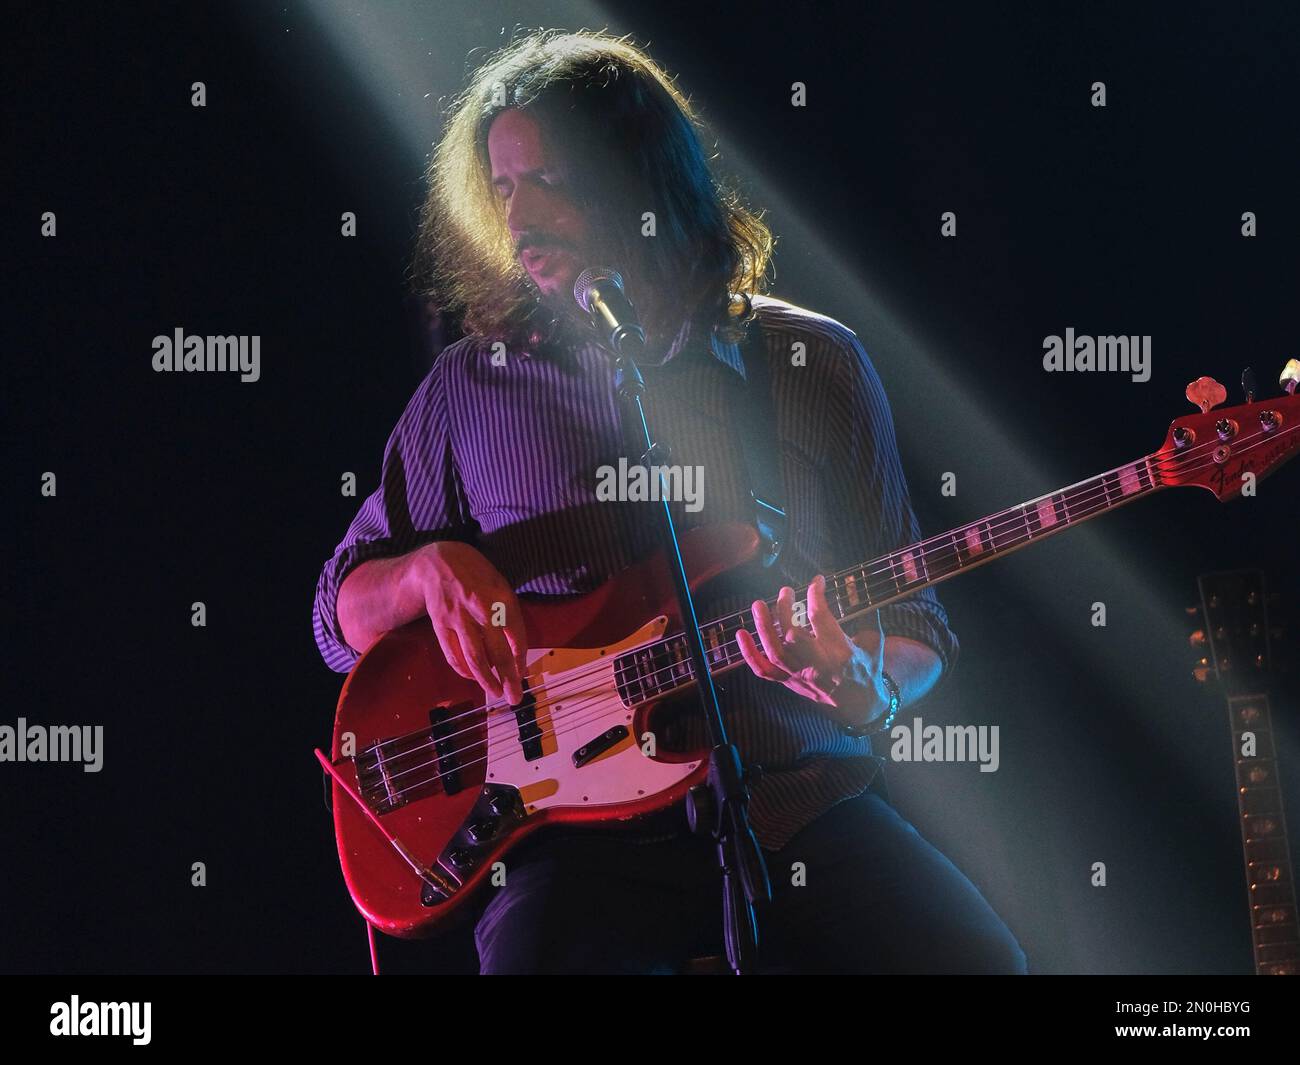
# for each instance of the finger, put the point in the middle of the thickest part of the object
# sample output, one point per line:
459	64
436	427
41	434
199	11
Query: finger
503	615
755	659
471	643
450	644
825	625
503	661
775	650
517	636
785	611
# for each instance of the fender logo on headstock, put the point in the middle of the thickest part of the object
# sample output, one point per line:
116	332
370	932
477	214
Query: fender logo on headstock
1227	477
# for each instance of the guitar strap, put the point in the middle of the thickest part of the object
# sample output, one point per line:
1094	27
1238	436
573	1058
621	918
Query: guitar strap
760	444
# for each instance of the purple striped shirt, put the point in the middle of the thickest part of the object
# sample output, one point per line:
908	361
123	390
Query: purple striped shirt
505	457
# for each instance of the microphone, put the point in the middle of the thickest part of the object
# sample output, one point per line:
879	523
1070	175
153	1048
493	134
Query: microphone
600	293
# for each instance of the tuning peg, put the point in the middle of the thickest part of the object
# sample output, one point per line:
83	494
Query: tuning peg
1206	392
1290	375
1197	639
1248	384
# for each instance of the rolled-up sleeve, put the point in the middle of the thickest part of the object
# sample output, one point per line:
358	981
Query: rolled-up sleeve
419	500
876	518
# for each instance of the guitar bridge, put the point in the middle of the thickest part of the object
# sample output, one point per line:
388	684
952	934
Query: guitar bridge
396	771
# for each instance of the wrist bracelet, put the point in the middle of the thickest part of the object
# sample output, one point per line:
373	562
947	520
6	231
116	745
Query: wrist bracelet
895	701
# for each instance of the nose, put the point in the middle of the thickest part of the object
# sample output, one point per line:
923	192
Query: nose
524	212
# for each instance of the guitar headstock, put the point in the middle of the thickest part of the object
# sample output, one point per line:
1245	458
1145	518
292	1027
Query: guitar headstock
1237	633
1219	447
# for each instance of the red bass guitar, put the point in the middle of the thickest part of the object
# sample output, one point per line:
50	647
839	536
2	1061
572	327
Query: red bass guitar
432	787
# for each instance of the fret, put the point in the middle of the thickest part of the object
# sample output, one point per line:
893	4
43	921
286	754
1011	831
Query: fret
1257	802
1098	487
1062	511
1129	481
1255	772
1007	533
851	588
877	586
1262	834
651	679
1273	915
842	597
910	570
1266	849
1271	893
1045	513
1150	473
1272	926
1275	934
956	549
639	695
938	559
682	669
1033	523
714	636
1268	872
1286	961
893	575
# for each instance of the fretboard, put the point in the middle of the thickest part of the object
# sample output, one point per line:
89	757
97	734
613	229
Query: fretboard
664	666
1273	928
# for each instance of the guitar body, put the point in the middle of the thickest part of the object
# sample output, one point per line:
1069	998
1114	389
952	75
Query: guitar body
427	778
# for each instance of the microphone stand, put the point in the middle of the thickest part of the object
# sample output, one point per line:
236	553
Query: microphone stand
720	807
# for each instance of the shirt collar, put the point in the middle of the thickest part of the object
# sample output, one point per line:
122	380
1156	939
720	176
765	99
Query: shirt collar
726	352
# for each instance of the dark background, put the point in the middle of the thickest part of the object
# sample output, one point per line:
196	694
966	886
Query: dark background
176	488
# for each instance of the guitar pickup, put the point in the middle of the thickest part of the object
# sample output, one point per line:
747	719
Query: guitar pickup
530	733
593	749
443	730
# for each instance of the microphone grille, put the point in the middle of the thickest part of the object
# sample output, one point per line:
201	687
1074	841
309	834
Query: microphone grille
588	279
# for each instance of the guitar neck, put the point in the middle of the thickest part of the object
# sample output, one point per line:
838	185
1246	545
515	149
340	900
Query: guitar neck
1275	935
859	589
663	667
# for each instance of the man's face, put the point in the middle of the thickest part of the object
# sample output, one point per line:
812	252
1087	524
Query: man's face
547	227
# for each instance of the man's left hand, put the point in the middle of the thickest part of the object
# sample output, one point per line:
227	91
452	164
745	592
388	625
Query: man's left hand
817	661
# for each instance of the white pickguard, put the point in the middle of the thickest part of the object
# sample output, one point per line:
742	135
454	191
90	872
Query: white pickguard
577	700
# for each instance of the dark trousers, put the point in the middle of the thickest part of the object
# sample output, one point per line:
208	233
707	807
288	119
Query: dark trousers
857	891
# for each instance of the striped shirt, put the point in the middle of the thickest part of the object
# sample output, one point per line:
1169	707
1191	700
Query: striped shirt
503	454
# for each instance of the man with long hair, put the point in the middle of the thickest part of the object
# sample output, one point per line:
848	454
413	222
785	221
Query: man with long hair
568	151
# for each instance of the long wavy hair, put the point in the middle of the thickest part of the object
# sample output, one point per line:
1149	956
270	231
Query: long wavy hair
632	144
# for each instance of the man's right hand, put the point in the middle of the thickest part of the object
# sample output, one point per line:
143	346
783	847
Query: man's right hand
475	615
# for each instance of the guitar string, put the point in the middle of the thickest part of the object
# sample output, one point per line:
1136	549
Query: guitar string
730	658
729	653
571	723
944	540
557	691
568	716
841	581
